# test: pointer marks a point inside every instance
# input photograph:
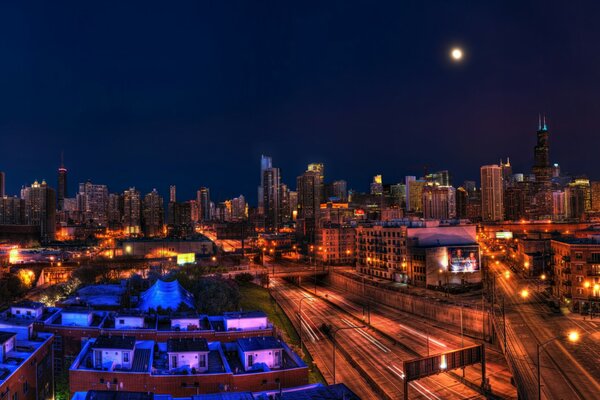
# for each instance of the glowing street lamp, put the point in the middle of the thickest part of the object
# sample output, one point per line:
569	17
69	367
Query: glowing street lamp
572	336
524	293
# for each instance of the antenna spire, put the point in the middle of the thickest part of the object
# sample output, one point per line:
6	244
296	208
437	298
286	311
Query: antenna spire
545	127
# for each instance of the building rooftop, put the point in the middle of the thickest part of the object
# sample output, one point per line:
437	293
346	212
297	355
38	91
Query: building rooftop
22	352
114	342
183	345
28	304
244	314
574	240
259	343
6	336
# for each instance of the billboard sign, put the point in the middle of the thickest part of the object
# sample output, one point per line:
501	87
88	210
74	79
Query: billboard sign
186	258
504	235
463	259
435	364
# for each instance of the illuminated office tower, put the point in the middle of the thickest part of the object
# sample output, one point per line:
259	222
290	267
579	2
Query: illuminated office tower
309	203
2	184
272	207
377	185
204	206
265	163
492	208
132	211
62	191
152	214
92	201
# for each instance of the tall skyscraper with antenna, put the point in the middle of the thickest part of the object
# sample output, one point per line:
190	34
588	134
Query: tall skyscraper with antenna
61	192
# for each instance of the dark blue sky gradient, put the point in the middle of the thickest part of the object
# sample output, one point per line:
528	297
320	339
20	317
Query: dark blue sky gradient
191	93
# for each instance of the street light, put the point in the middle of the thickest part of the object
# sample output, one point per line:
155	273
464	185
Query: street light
572	336
334	343
524	293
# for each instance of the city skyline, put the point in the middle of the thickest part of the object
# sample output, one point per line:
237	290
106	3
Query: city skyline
227	89
290	177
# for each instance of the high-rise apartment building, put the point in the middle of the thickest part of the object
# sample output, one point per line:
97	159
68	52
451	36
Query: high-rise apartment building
115	211
309	203
132	211
153	214
272	207
11	210
340	190
92	201
492	207
40	208
439	202
578	199
204	203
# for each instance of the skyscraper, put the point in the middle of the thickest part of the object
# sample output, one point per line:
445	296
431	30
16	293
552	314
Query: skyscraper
340	190
272	208
439	202
492	208
377	185
40	208
265	163
152	214
131	211
62	192
309	203
172	194
414	193
541	154
92	201
203	199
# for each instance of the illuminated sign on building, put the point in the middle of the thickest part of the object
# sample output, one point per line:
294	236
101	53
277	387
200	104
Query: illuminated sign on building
463	259
186	258
504	235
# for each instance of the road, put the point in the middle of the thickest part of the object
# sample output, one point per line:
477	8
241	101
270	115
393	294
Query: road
378	358
568	370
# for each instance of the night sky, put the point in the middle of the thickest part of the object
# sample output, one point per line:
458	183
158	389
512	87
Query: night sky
192	93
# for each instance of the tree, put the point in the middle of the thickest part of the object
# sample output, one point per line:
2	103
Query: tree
244	277
216	295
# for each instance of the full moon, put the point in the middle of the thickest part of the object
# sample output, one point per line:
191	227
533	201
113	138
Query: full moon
456	54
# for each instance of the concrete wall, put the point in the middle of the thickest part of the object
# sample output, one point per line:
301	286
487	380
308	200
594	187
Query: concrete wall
246	323
185	385
445	315
128	322
77	319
